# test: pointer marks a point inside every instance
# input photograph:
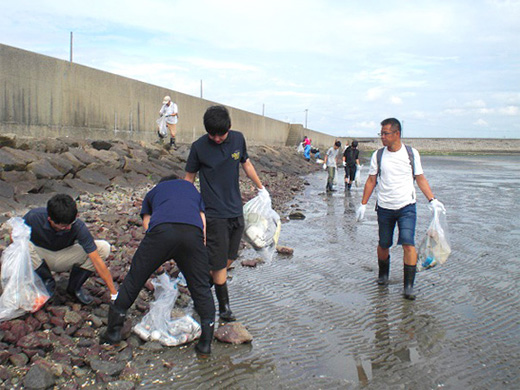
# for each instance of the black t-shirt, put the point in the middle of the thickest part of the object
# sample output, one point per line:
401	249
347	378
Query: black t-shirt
43	235
218	167
351	155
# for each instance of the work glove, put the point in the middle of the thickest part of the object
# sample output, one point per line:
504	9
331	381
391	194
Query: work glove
324	166
262	192
436	205
360	212
113	297
344	164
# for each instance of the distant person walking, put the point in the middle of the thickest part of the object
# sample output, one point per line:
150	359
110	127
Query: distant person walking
307	148
394	169
329	163
170	111
350	162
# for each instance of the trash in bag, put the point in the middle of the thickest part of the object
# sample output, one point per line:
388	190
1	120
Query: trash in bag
158	323
163	130
300	148
262	223
435	246
23	290
357	177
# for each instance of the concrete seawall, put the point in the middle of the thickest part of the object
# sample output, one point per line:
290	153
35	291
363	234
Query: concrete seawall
47	97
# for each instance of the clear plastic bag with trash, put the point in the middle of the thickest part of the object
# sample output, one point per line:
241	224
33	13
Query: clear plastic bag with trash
158	323
22	289
435	247
300	148
357	177
262	224
161	123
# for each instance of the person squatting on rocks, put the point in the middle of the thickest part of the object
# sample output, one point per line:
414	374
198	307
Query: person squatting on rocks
307	148
329	163
217	156
169	109
61	242
350	162
175	224
394	172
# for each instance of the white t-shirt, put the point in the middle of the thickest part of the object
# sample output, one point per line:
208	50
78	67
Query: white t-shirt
395	187
332	155
169	110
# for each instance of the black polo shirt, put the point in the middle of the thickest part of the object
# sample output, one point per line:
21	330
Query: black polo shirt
218	167
44	236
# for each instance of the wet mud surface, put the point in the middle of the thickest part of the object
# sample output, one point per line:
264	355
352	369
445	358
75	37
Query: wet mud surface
319	320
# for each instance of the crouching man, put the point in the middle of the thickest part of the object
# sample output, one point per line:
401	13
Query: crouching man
61	242
175	224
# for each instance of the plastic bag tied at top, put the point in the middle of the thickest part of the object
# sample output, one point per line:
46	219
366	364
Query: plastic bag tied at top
23	290
262	223
435	246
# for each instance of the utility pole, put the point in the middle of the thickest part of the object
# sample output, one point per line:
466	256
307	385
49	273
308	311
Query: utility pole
263	109
306	112
71	40
201	89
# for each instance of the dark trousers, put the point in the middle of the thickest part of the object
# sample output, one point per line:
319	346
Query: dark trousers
182	243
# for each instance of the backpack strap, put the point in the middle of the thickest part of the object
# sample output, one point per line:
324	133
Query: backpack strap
411	157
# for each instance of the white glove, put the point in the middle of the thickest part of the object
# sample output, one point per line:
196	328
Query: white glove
344	164
324	166
436	205
360	212
262	192
358	166
113	297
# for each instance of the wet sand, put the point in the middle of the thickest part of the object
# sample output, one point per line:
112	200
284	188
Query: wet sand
319	320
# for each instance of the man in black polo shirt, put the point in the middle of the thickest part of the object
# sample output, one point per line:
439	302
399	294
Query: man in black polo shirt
217	156
61	242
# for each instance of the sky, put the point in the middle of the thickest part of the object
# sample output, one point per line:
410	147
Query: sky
444	68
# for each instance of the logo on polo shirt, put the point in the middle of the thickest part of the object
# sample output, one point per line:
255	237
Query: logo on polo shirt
236	155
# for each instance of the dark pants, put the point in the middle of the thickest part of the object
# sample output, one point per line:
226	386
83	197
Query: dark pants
182	243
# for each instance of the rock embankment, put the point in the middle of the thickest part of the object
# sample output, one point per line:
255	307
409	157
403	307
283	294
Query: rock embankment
58	345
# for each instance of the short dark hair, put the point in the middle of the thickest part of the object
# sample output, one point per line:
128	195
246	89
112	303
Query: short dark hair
395	124
354	144
173	176
217	120
337	143
62	209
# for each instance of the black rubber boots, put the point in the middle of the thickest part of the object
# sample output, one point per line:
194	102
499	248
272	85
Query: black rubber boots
203	347
78	276
225	312
409	278
116	321
384	271
45	274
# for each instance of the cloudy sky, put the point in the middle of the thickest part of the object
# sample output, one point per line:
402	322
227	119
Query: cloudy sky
444	68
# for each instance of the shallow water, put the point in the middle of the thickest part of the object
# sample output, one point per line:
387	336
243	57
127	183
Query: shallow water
319	320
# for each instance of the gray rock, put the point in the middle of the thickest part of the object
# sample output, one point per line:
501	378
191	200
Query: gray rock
21	156
63	165
76	163
72	317
233	333
9	163
38	378
19	359
58	187
82	187
6	189
93	177
33	200
284	250
296	215
101	145
43	169
82	156
107	367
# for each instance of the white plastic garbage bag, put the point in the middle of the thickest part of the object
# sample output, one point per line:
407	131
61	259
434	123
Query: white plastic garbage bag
435	246
262	223
158	324
163	129
357	177
23	290
300	148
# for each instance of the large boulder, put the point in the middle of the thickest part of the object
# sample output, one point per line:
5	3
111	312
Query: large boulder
93	177
6	189
43	169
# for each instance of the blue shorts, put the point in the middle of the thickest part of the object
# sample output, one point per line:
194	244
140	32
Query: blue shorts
405	219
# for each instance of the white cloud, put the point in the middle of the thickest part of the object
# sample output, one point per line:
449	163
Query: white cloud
509	110
396	100
481	122
374	94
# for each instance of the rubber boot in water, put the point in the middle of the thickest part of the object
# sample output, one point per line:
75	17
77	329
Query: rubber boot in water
44	272
225	312
172	143
409	277
116	321
384	271
78	276
203	347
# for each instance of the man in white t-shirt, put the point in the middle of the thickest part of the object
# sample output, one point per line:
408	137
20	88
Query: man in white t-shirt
330	164
396	199
170	111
